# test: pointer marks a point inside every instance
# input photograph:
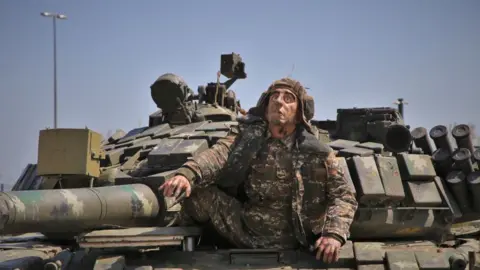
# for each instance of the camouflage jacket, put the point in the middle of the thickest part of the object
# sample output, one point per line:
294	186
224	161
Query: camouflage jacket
322	201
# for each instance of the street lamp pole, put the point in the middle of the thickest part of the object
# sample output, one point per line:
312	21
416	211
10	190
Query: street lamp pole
54	17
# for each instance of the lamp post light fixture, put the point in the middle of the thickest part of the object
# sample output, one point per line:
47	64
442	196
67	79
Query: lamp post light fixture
54	17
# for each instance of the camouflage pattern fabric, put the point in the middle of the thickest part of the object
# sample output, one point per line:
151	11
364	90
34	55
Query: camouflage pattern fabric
263	222
293	187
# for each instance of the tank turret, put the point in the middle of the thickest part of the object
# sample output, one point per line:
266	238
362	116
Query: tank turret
184	124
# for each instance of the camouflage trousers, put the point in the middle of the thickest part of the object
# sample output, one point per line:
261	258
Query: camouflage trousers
227	215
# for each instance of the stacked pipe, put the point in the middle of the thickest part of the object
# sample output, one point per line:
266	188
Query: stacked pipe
458	166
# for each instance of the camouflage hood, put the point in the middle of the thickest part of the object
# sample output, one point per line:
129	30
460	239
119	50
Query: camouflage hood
306	104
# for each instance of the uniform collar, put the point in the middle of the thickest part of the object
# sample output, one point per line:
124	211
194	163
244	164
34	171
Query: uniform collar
287	141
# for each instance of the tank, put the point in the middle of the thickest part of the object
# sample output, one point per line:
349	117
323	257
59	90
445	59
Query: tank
93	203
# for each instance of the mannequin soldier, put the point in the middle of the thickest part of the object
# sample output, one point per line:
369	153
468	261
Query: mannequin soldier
293	188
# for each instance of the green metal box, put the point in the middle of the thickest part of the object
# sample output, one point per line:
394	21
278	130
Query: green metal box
69	152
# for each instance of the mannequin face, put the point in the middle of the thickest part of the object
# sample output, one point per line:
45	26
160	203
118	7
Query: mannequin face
282	108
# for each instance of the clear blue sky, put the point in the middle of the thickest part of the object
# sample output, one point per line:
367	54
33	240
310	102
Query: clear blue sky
350	53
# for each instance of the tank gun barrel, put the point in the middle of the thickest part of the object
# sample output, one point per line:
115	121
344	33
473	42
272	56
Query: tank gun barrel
77	210
398	138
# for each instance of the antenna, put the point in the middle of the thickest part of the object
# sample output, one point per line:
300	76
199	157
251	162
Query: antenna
291	72
290	75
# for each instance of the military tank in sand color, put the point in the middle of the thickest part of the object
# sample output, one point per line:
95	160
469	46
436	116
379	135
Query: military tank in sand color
91	203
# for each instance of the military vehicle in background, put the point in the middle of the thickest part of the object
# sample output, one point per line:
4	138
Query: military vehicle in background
91	203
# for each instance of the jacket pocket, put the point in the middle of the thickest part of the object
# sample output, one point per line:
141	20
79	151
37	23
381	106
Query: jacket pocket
261	182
